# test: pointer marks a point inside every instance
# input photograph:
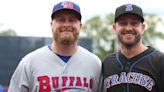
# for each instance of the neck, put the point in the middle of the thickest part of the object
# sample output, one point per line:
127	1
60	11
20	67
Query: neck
135	50
64	49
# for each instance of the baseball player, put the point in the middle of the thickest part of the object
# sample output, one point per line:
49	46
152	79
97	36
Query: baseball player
135	67
61	66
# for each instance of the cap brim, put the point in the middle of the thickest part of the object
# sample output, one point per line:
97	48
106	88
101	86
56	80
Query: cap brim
70	10
142	19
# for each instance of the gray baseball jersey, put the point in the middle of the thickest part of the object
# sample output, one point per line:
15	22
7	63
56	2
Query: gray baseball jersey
44	71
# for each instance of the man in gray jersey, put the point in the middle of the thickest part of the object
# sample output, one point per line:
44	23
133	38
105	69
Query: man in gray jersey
61	66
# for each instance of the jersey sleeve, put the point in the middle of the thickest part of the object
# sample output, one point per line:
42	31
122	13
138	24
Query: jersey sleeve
100	88
98	75
161	82
19	80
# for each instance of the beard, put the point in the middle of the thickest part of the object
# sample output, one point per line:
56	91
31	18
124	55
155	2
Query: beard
131	43
66	38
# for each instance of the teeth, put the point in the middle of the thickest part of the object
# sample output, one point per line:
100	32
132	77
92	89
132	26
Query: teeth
128	34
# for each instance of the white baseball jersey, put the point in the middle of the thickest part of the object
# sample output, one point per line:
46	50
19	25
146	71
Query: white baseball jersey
44	71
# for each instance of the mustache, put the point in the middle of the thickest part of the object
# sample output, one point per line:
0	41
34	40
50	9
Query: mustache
129	32
66	29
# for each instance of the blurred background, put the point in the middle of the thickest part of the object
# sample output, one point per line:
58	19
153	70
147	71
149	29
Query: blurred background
25	26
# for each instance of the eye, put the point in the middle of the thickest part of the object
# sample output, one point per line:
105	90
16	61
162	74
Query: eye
122	23
73	19
135	23
60	19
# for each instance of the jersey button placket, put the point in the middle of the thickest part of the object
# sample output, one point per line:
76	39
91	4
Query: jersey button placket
65	72
127	67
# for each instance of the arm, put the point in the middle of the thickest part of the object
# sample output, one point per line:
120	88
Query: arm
161	82
19	80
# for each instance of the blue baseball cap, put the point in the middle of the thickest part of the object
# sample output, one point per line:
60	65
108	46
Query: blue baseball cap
67	5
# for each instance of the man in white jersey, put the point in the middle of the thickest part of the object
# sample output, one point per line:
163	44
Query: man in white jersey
62	66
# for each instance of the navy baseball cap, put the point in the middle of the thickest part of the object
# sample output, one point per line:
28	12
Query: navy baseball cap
129	8
67	5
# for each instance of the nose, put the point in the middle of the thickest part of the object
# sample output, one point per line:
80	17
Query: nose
128	26
66	23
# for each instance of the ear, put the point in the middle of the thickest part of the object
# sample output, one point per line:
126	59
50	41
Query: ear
51	23
114	26
81	25
143	28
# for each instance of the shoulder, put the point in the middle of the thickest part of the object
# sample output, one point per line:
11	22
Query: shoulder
33	58
159	53
156	59
156	53
109	57
158	56
87	55
38	53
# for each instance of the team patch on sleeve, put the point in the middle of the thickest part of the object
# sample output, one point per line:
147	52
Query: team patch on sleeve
131	77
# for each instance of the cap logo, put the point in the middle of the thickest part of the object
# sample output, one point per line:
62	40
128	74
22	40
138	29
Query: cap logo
128	7
67	4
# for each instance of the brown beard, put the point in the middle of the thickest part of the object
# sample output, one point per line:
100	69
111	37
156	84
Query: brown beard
66	39
130	45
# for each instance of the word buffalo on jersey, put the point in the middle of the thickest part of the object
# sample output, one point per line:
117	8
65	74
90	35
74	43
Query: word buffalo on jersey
131	77
60	84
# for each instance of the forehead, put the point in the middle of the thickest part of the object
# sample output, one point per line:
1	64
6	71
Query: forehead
130	16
